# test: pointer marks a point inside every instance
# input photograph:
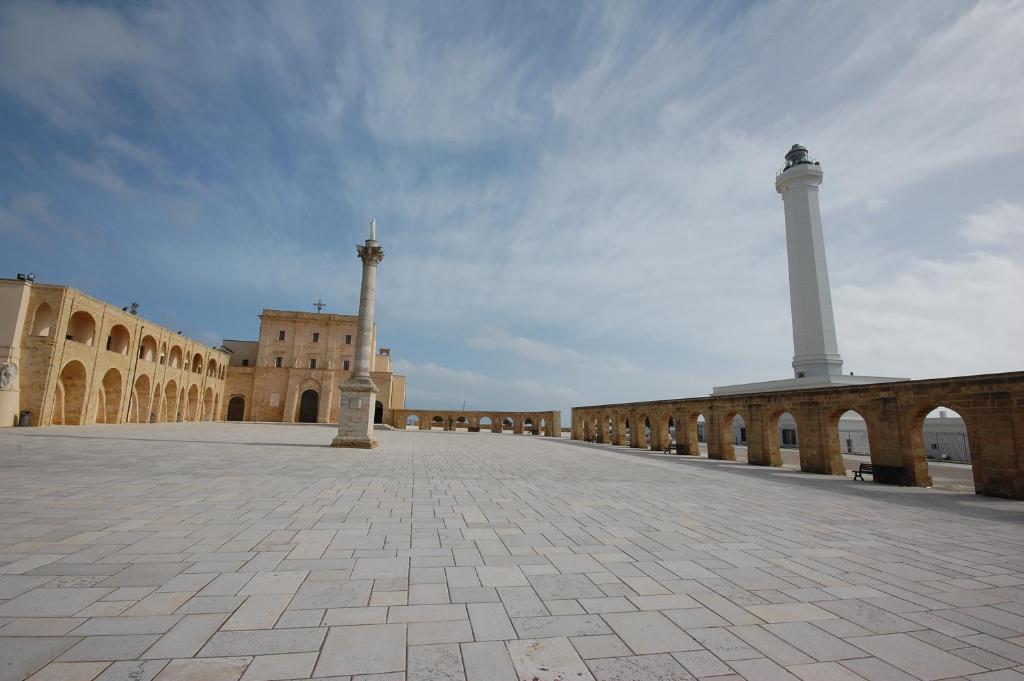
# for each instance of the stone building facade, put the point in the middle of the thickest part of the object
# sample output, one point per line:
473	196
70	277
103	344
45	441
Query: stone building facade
72	359
292	372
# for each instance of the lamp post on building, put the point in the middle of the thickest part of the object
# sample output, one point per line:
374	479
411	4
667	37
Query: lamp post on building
358	392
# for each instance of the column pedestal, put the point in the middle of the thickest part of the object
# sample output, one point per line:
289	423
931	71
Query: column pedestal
355	416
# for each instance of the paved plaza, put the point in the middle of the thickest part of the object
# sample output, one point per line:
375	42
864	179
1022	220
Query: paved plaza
221	552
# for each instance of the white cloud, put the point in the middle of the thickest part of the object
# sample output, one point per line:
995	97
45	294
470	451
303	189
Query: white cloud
1002	223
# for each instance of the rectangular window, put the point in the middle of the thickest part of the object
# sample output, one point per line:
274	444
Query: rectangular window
280	335
312	363
316	336
348	339
279	362
345	365
245	362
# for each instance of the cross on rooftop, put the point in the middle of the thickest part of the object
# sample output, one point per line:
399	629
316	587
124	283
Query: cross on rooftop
319	305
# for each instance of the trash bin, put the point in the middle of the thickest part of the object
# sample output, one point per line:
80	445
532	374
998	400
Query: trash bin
24	417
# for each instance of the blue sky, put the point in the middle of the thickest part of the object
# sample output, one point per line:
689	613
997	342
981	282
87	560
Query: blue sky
576	200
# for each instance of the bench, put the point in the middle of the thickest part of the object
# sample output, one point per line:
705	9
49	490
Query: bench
864	468
889	475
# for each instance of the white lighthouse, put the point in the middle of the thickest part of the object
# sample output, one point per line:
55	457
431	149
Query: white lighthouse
816	360
815	351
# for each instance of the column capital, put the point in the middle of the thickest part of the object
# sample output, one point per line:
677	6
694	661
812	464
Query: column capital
370	253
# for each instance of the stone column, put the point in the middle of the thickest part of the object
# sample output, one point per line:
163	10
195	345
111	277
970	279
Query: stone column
358	392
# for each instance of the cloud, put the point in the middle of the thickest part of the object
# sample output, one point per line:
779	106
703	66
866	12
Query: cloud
1000	224
496	338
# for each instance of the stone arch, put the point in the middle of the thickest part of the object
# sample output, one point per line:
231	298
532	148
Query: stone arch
163	353
170	402
850	441
486	422
211	368
147	349
119	340
69	397
182	414
437	421
933	446
666	432
175	358
508	423
82	328
208	402
193	403
157	408
461	422
725	435
197	363
777	435
42	320
688	432
110	407
236	408
542	426
412	420
528	426
139	409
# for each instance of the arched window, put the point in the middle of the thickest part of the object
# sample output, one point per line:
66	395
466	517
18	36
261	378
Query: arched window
82	328
42	320
119	340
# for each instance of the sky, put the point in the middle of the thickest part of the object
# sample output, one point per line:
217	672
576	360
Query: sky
575	199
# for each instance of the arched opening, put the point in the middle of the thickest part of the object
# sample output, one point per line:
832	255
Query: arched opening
111	405
42	320
147	349
208	405
780	434
508	424
197	363
211	369
140	407
667	435
486	422
156	409
853	434
732	432
461	423
542	427
437	422
170	405
193	403
627	433
528	426
378	412
236	408
69	399
182	414
943	436
163	353
309	406
645	434
81	328
175	358
412	422
119	340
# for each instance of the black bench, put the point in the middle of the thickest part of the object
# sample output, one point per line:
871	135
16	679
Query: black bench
889	475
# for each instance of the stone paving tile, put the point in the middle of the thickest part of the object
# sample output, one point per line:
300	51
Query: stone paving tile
547	659
69	671
650	632
488	661
228	562
435	663
364	649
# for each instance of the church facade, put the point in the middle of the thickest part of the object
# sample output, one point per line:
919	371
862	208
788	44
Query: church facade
292	371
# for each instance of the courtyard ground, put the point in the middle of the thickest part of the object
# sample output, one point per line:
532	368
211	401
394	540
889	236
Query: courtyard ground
240	551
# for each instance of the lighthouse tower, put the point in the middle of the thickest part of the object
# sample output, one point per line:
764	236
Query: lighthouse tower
815	352
816	360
